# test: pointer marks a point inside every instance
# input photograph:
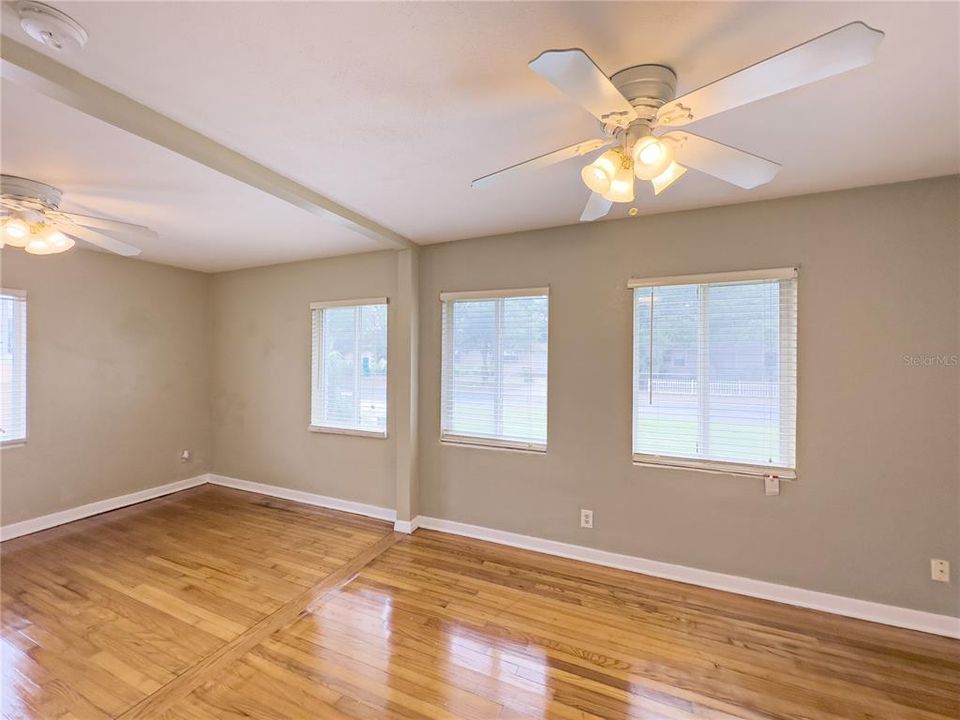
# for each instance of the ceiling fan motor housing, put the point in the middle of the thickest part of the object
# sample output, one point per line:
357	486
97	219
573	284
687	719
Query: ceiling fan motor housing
29	191
647	87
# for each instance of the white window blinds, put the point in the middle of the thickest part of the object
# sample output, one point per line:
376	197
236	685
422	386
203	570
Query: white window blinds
349	368
494	368
715	372
13	366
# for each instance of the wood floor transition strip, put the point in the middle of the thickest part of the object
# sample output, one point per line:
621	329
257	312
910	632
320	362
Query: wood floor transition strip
187	681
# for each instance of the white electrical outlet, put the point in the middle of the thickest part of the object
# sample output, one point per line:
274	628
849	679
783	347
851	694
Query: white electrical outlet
940	570
586	518
184	455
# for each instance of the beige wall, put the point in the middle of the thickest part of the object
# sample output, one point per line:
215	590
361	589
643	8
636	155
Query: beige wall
130	362
878	441
117	374
261	379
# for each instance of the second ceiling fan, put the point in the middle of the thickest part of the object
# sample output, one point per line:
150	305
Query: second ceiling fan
634	105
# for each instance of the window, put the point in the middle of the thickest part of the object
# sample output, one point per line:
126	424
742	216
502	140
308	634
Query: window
13	366
494	368
349	371
715	372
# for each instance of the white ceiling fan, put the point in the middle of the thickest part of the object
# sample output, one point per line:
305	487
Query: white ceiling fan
635	104
31	219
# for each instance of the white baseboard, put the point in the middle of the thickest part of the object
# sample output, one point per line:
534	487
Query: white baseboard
44	522
307	498
8	532
836	604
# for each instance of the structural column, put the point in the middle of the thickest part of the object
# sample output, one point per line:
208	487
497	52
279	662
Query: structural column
404	339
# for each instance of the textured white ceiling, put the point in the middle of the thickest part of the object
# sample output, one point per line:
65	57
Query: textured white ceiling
391	109
205	220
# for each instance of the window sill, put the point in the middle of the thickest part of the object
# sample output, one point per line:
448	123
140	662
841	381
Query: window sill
13	443
715	467
487	444
380	434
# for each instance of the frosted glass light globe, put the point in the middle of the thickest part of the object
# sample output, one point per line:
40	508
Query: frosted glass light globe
621	189
600	173
651	157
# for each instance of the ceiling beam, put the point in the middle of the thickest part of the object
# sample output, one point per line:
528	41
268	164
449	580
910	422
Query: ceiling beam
30	68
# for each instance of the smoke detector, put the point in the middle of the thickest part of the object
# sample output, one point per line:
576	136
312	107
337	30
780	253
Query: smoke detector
47	25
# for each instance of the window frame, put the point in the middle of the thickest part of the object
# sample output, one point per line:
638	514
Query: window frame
21	295
705	465
317	369
446	335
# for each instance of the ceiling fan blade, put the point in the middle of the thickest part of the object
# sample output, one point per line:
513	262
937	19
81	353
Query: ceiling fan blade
845	48
722	161
96	238
573	73
597	207
551	158
137	231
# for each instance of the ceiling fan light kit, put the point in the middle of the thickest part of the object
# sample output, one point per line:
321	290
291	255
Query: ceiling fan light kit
38	238
612	174
633	104
31	219
49	242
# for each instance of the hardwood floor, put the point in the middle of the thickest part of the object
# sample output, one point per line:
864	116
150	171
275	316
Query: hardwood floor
101	613
214	603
